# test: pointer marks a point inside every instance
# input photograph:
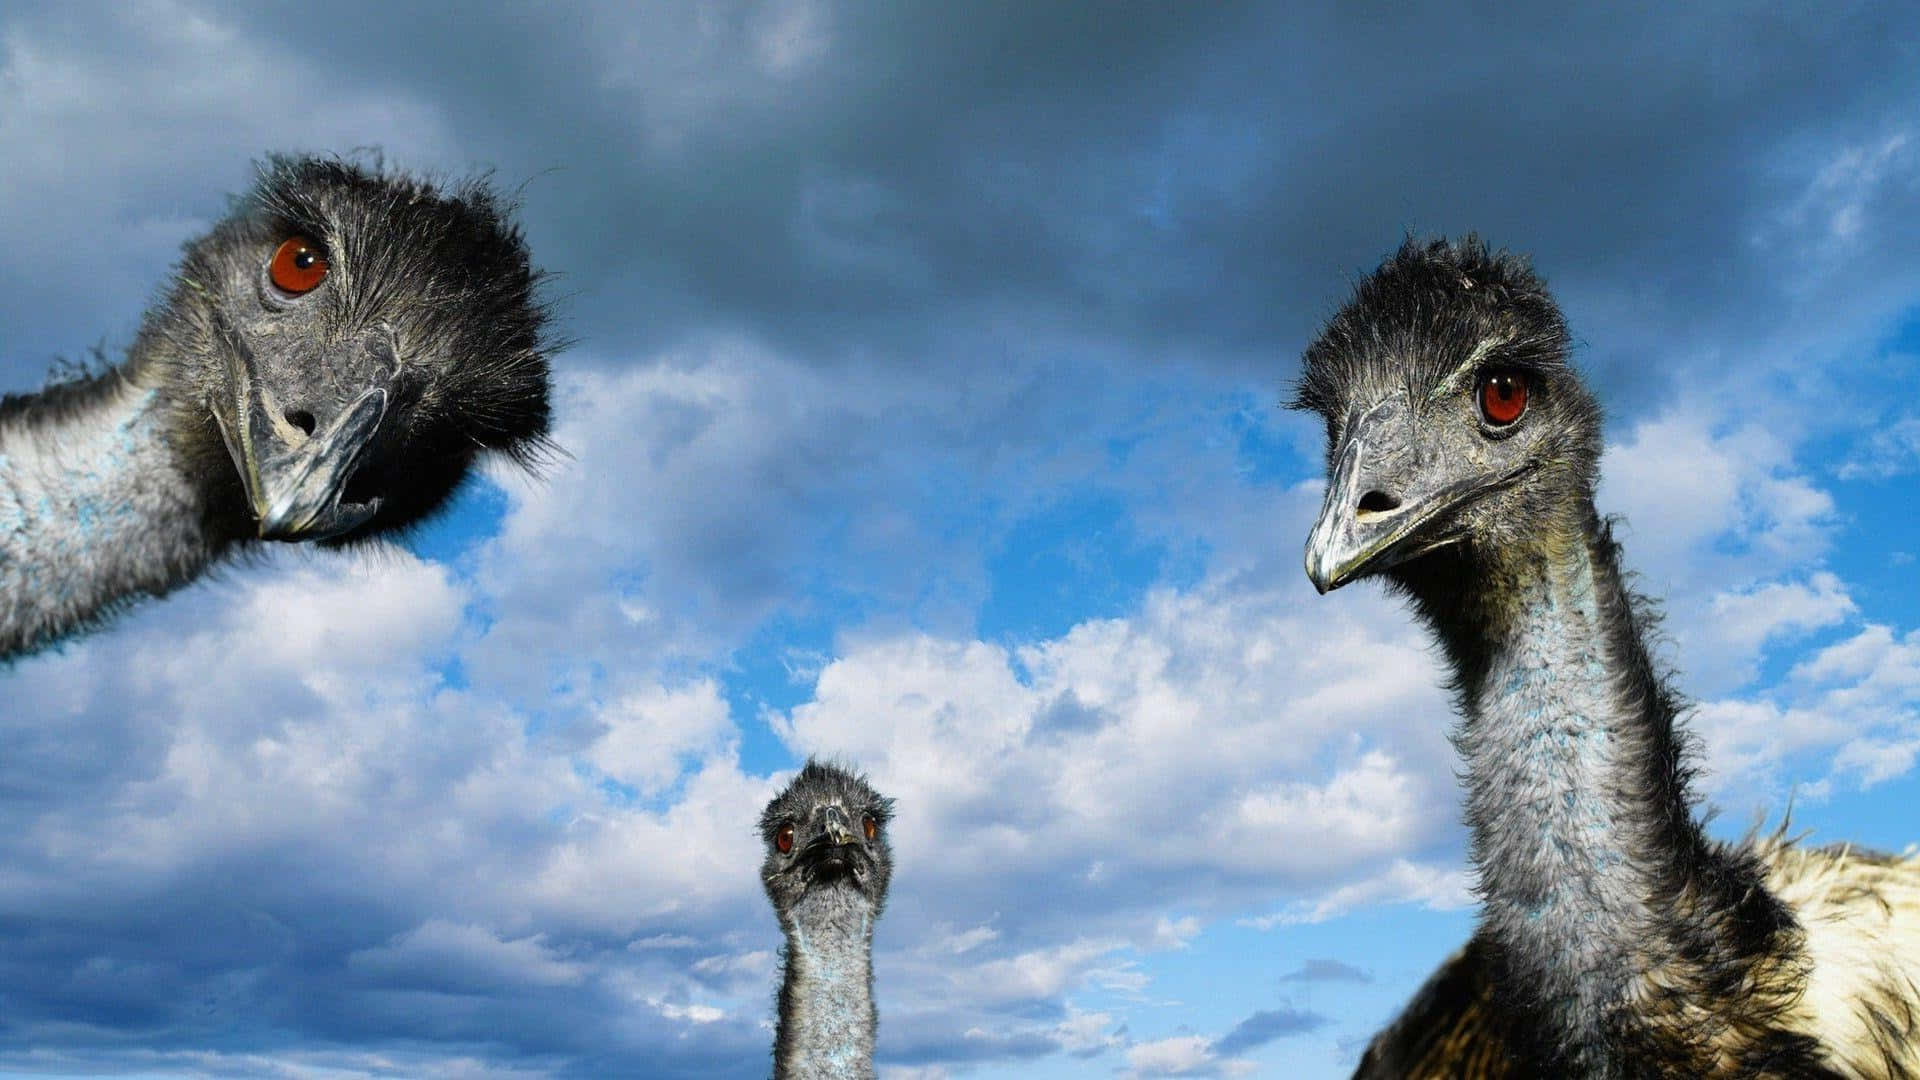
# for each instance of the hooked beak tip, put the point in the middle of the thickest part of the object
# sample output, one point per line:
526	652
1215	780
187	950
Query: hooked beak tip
1325	576
296	492
1330	555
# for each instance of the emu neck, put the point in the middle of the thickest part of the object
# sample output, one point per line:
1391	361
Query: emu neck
95	508
827	1016
1582	831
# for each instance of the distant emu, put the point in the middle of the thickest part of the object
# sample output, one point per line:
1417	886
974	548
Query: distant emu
1616	939
826	871
326	365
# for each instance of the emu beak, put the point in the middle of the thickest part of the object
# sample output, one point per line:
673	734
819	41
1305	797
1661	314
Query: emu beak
1383	493
294	479
838	829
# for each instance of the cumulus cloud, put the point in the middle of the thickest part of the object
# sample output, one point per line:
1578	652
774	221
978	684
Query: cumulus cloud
1858	700
1106	733
1694	483
368	836
1733	533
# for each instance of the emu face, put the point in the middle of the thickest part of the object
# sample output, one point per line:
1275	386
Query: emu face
1452	414
826	839
358	339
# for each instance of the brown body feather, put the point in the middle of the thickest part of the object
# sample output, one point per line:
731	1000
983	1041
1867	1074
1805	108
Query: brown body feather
1452	1028
1850	984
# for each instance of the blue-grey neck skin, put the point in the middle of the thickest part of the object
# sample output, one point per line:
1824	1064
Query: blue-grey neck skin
827	1014
1557	743
1630	936
96	508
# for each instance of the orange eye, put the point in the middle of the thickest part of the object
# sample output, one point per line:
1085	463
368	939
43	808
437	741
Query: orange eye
784	839
871	826
1503	397
298	266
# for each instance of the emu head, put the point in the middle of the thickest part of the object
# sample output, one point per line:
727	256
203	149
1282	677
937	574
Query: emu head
358	338
826	839
1453	416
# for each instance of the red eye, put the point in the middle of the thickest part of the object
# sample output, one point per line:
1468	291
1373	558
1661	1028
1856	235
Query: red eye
298	266
1503	397
871	826
784	839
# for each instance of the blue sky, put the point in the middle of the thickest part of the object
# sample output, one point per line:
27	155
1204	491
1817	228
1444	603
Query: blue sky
924	411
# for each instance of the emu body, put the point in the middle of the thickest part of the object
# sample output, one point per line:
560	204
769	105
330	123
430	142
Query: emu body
1615	939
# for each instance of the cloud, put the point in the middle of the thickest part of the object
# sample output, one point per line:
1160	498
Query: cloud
1857	700
1263	1027
1892	450
1443	886
165	138
918	1037
1861	182
443	956
1734	540
330	835
971	721
1749	617
1739	496
652	734
1326	970
1181	1055
1194	1055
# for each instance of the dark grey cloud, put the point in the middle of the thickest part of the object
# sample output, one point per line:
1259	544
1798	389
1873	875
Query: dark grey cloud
1181	180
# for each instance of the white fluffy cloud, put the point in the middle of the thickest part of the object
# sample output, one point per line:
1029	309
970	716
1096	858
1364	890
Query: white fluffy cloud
1732	534
1857	700
1181	1055
1192	738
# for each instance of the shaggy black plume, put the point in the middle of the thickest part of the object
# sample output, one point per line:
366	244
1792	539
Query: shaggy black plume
1428	305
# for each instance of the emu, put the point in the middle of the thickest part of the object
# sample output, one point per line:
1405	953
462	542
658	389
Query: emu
1615	939
326	365
827	868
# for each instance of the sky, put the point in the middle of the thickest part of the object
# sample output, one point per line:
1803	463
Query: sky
923	409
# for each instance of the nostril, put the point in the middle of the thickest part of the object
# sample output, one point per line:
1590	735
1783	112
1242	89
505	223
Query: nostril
1378	502
301	419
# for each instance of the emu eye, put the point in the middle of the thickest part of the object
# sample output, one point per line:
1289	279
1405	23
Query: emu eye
783	839
1503	397
298	266
871	826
